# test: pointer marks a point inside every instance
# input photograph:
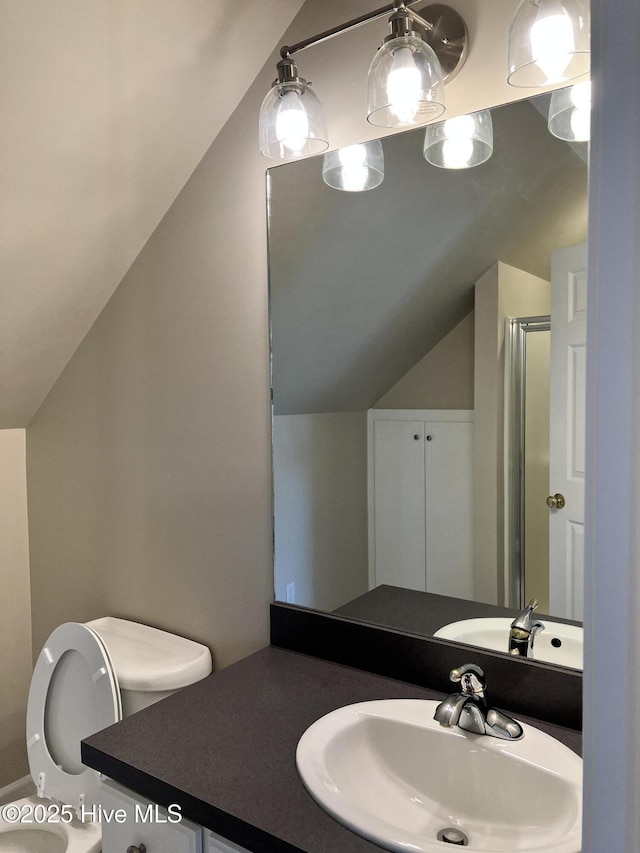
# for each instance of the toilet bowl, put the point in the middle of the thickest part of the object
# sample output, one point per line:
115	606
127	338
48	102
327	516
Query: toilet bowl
87	677
19	836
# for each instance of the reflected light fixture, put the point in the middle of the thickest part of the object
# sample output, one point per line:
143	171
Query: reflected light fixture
461	142
570	112
355	168
405	83
549	42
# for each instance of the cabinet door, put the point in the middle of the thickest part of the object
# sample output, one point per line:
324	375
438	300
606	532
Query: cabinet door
399	503
215	844
143	823
449	508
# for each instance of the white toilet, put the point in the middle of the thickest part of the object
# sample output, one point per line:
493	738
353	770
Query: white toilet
87	677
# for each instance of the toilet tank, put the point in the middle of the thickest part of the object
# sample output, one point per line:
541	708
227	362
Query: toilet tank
150	664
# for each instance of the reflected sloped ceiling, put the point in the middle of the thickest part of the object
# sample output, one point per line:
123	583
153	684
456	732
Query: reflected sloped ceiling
363	285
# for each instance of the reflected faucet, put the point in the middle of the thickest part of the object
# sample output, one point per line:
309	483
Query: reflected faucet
468	709
523	631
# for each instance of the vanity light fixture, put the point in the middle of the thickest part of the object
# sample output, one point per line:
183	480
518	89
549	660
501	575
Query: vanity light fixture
291	120
405	85
461	142
570	112
549	42
405	82
355	168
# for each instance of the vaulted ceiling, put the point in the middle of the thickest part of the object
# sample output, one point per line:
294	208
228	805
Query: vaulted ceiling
107	107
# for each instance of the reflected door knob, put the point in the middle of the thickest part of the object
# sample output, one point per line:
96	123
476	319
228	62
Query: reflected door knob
555	501
140	848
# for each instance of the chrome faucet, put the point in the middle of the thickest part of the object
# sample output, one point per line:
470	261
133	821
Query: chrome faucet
468	709
523	631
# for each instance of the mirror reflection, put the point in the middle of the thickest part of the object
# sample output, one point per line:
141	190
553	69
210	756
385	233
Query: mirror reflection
428	349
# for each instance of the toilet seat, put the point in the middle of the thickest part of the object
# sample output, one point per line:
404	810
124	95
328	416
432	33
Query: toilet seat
74	837
74	693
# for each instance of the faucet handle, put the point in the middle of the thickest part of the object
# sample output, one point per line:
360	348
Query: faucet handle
523	623
471	679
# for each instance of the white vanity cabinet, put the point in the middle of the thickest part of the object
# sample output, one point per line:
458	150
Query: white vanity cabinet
420	500
129	821
215	844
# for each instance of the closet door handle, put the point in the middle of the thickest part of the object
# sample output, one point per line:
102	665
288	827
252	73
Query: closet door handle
140	848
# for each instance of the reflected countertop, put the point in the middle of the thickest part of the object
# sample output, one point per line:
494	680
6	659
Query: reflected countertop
422	612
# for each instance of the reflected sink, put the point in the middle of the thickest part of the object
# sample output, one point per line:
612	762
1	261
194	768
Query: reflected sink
558	643
388	771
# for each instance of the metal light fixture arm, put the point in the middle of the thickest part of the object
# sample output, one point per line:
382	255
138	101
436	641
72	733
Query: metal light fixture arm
397	6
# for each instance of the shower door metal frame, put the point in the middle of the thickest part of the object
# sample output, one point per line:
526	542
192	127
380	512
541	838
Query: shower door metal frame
517	329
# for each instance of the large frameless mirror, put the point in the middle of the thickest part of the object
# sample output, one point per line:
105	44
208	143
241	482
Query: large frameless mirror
428	343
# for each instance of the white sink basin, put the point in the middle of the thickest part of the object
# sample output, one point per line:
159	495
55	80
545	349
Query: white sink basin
391	773
558	643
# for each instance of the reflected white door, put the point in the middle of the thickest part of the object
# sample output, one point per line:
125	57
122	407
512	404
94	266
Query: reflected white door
449	509
399	503
567	430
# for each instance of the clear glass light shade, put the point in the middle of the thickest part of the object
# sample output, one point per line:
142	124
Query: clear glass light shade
291	122
570	112
405	85
549	42
355	168
461	142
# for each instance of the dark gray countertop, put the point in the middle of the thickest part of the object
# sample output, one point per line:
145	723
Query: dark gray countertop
224	749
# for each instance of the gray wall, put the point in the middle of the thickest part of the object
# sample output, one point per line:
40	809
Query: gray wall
149	463
320	495
443	379
15	614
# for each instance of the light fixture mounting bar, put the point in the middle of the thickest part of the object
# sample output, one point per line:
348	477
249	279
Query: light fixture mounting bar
396	6
418	19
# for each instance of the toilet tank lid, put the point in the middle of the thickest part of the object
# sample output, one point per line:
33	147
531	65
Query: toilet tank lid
149	659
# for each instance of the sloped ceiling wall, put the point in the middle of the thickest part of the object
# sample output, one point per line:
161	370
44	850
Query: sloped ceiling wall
107	107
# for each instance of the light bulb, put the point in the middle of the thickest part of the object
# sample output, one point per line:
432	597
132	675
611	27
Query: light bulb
292	123
404	85
581	125
581	95
457	148
354	171
355	168
353	155
552	44
581	115
354	179
570	112
459	143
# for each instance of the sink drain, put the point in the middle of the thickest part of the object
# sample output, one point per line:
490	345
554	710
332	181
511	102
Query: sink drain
451	835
